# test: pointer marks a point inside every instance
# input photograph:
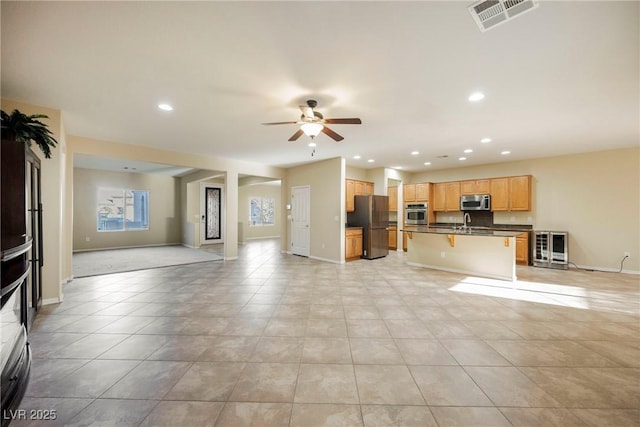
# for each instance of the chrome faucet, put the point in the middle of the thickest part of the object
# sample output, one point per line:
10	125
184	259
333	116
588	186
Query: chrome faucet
465	218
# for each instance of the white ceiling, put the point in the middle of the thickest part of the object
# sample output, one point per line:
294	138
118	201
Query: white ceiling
560	79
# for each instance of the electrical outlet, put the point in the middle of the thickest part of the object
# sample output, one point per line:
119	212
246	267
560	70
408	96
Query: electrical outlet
627	254
87	239
442	254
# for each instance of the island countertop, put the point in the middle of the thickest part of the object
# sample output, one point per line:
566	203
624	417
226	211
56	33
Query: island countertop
469	231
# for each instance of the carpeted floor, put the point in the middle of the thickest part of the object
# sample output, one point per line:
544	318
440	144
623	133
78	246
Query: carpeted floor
94	263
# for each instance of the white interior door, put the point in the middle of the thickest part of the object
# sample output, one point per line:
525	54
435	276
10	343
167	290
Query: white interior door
300	213
211	214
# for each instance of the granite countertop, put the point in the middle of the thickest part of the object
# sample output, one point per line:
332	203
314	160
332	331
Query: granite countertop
469	231
502	227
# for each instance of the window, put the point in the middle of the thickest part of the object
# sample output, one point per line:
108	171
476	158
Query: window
122	210
261	211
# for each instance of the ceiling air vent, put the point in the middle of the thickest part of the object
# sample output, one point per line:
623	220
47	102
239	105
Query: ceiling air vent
489	13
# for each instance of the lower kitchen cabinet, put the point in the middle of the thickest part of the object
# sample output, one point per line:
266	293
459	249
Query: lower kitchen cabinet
393	238
522	249
353	243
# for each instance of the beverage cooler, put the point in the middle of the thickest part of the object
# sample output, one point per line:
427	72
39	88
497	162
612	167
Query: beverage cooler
551	249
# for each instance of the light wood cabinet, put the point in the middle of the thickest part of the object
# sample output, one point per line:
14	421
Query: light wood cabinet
416	192
520	193
356	188
511	193
368	189
392	192
522	249
409	192
500	194
422	192
353	243
351	192
439	197
453	196
393	237
478	186
446	196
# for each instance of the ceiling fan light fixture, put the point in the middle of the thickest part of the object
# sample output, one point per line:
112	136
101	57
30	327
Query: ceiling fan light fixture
312	129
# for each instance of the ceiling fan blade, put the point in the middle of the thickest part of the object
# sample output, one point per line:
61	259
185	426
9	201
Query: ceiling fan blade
280	123
352	121
296	135
307	112
331	134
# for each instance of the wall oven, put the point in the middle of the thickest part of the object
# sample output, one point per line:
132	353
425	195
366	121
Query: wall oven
416	214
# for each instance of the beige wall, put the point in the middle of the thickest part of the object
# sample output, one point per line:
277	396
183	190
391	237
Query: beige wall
164	209
260	190
327	193
57	254
593	196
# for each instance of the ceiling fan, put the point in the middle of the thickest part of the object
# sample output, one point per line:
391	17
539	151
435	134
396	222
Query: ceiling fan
312	123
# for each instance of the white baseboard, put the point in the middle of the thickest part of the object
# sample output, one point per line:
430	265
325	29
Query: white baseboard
261	238
333	261
590	268
49	301
128	247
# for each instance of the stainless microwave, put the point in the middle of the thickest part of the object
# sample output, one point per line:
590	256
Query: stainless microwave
476	202
416	214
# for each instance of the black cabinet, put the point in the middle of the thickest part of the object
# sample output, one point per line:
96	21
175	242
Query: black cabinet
21	260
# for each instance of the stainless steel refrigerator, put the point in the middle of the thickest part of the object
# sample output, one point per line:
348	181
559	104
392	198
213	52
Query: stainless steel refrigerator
372	214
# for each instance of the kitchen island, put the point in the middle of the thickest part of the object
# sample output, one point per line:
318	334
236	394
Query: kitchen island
475	251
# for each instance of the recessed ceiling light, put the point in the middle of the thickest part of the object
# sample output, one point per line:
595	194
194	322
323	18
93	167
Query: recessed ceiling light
485	140
312	144
468	150
370	160
476	96
415	153
396	167
427	163
165	107
356	157
462	158
505	152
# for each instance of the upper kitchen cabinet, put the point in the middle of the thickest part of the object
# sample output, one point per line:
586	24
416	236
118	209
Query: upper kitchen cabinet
520	193
511	193
409	192
354	188
392	192
446	196
422	192
416	192
478	186
364	188
350	189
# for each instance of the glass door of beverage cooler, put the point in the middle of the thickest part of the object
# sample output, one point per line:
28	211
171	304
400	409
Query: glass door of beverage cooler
559	249
541	247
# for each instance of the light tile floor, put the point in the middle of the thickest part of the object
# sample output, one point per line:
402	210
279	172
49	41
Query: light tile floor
277	340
